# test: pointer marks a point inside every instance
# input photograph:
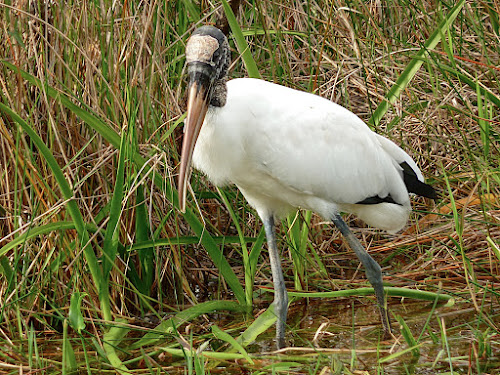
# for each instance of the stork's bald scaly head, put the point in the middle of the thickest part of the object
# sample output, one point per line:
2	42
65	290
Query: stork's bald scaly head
207	60
207	57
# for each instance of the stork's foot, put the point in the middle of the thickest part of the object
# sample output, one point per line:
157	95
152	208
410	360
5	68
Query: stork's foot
280	342
382	306
281	310
386	323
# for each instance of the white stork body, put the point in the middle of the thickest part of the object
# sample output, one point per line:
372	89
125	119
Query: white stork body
287	149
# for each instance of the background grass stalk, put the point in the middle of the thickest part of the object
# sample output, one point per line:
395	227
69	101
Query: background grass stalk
412	68
67	193
249	268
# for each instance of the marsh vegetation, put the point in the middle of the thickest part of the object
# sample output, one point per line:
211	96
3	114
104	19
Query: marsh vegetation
100	272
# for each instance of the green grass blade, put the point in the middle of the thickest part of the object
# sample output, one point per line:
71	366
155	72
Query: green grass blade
167	327
408	336
142	273
253	257
298	231
249	275
412	68
392	357
293	221
110	245
193	10
69	365
493	13
142	233
75	315
494	247
260	325
221	335
391	291
5	267
241	43
205	354
110	342
190	240
484	125
111	237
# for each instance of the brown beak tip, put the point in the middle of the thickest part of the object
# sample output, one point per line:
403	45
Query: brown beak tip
182	198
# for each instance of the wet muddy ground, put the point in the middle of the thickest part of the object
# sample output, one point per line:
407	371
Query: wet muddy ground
336	334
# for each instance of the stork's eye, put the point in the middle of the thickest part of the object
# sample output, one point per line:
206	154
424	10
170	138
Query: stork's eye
215	56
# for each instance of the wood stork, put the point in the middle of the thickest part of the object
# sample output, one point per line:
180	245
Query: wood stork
286	149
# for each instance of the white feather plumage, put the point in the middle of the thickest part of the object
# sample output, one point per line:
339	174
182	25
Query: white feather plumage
285	148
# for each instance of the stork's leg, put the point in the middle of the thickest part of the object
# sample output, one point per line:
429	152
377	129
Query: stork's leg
280	295
372	269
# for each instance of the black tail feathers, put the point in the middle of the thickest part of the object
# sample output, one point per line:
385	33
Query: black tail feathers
414	185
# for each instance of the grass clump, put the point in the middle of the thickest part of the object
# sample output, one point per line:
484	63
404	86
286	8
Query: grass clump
98	269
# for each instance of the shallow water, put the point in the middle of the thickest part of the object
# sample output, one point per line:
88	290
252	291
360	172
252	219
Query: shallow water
348	333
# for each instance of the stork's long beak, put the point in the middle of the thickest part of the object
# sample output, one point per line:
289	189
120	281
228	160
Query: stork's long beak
197	107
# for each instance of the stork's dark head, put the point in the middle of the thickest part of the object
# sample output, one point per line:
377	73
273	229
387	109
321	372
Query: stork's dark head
207	59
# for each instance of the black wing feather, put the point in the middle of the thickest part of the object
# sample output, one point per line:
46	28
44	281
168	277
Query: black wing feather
413	185
377	199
